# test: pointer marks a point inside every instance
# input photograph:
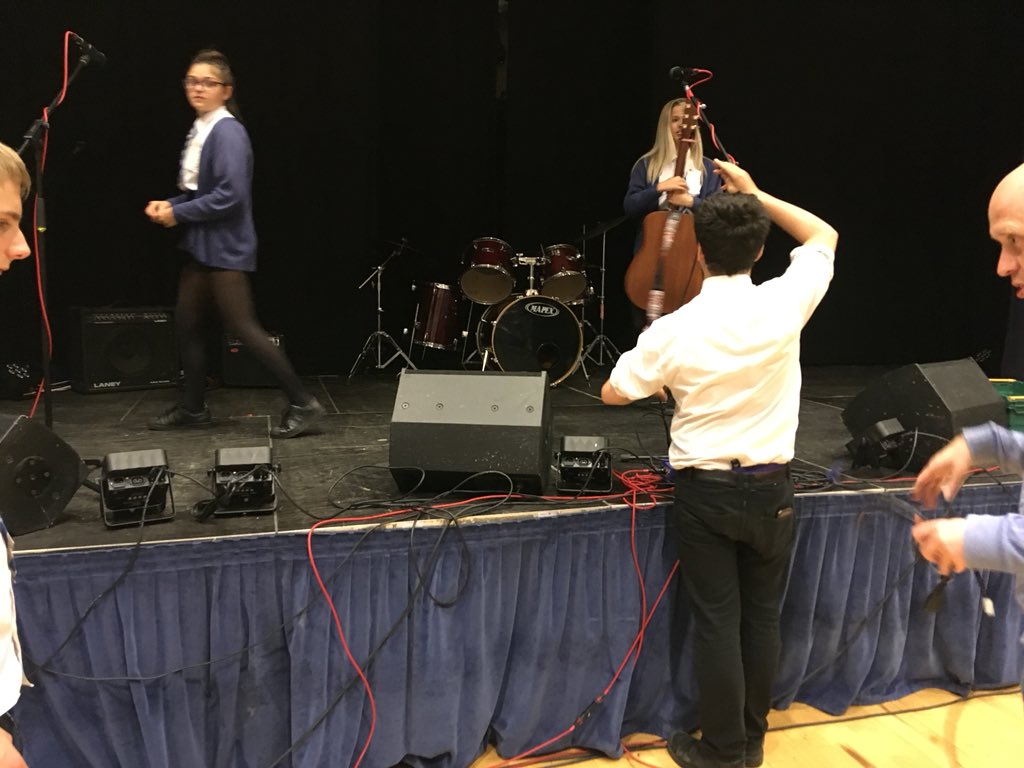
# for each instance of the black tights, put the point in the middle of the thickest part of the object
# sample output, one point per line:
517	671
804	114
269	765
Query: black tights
201	287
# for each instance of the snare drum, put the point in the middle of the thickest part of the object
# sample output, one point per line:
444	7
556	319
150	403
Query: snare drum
487	278
437	319
532	333
564	278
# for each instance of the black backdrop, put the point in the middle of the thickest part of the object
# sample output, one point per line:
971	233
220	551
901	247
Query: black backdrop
445	121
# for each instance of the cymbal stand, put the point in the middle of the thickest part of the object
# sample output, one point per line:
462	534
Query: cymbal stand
601	342
381	338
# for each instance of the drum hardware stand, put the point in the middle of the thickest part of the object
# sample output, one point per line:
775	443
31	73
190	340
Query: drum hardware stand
601	342
380	337
415	325
530	262
467	353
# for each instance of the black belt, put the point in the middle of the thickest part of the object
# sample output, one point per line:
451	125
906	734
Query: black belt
763	472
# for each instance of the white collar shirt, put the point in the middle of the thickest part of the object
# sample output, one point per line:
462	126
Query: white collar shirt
188	176
12	674
731	358
694	177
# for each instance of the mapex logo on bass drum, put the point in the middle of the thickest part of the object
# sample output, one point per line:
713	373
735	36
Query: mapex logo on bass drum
542	310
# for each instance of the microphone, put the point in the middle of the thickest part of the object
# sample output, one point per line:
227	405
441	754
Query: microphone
90	53
685	74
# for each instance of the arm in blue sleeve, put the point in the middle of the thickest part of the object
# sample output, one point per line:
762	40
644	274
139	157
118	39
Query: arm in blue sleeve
995	543
990	443
229	146
642	196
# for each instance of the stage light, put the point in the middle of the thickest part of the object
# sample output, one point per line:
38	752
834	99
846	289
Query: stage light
134	486
584	465
243	483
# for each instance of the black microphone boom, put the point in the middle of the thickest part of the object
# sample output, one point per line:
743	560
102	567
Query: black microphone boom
90	53
681	73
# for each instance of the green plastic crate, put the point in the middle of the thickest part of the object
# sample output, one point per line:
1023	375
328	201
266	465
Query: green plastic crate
1012	392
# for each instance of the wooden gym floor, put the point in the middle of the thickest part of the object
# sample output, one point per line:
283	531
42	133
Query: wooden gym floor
930	728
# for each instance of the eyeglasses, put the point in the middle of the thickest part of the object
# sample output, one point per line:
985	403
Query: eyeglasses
206	84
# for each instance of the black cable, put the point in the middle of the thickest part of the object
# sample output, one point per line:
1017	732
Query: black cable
899	472
374	502
203	508
593	468
371	658
208	662
133	557
243	650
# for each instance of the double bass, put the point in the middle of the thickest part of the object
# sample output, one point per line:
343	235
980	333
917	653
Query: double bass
665	266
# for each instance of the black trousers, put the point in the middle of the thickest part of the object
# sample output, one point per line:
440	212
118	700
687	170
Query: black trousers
734	535
204	290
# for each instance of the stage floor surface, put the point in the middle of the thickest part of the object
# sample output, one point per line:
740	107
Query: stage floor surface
345	459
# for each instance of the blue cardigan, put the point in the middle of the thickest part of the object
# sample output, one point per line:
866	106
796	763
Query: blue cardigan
217	217
642	195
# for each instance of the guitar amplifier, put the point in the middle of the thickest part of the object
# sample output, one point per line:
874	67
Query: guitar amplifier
240	369
123	348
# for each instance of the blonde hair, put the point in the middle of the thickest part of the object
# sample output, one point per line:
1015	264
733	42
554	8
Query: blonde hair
664	148
13	169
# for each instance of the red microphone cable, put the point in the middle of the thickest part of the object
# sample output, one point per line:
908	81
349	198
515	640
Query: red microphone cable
43	310
639	481
337	619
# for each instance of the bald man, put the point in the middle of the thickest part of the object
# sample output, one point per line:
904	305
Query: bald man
982	542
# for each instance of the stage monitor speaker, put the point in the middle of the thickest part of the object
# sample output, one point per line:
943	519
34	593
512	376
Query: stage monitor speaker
39	473
130	348
902	418
449	425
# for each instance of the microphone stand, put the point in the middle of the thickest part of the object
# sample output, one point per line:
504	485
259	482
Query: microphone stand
34	137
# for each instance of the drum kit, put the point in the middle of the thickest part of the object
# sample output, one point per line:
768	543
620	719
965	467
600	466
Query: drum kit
538	327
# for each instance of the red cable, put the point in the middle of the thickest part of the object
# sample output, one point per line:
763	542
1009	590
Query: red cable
636	480
64	87
639	571
634	758
711	126
337	623
43	311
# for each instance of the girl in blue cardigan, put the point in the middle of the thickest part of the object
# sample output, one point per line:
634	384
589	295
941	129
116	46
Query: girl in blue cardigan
214	211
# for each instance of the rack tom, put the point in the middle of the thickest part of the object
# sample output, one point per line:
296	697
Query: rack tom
565	277
487	278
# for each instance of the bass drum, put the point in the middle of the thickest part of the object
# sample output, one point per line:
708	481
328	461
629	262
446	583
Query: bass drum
532	333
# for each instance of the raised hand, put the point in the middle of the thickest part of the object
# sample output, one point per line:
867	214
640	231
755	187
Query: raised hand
734	178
